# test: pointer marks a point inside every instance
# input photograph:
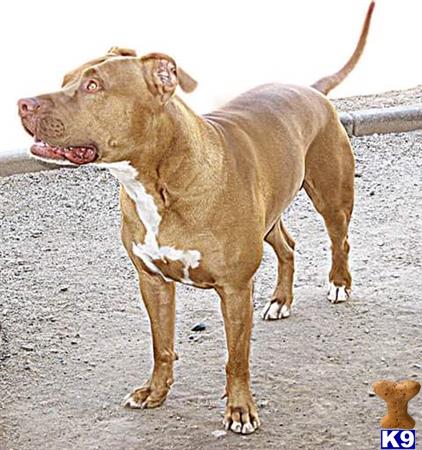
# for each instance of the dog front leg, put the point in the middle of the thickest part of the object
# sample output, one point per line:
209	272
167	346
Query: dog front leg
237	308
159	298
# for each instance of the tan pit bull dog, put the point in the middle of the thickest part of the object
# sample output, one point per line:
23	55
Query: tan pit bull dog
200	194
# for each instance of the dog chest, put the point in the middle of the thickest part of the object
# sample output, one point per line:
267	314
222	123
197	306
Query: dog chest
171	263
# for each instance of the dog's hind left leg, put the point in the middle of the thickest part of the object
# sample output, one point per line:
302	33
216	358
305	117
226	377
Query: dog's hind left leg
279	306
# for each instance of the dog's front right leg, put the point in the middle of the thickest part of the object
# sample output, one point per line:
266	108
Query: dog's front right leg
236	304
159	298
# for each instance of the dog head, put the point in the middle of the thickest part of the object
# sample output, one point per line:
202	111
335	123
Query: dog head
105	109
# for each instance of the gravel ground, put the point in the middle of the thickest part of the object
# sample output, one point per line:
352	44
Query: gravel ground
75	337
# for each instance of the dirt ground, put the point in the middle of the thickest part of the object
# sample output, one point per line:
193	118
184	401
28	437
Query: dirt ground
75	337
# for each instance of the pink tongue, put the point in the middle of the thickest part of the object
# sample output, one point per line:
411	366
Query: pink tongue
45	152
77	155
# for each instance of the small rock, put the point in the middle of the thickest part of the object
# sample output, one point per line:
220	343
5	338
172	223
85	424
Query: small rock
219	433
200	326
371	393
64	288
417	366
27	347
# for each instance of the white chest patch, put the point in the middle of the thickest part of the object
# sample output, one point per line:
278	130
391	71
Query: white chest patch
148	214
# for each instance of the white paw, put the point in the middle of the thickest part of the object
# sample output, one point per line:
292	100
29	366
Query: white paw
130	402
248	428
337	294
238	427
273	311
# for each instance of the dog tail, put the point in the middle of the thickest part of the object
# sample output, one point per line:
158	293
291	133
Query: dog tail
326	84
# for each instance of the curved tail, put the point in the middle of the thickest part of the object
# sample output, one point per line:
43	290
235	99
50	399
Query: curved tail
326	84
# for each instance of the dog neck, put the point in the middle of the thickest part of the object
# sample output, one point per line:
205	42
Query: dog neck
183	160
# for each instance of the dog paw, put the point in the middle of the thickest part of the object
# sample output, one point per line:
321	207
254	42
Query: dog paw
143	397
274	310
241	419
338	294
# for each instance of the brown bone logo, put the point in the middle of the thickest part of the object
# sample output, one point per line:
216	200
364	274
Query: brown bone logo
397	396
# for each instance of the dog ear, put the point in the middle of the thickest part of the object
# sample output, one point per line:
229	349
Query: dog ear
162	76
186	82
117	51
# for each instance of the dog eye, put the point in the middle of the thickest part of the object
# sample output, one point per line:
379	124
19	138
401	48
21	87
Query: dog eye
91	86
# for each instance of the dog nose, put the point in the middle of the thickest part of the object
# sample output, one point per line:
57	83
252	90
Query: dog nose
27	106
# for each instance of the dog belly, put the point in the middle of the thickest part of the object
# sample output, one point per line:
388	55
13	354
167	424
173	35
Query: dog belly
283	175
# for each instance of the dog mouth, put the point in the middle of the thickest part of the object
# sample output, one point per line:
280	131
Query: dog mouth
78	154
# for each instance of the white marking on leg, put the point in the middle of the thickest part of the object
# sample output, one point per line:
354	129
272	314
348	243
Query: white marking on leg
270	311
130	402
247	428
148	214
236	426
274	310
338	294
285	311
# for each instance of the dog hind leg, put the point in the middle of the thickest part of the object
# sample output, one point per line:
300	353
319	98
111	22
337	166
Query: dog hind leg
329	182
279	307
